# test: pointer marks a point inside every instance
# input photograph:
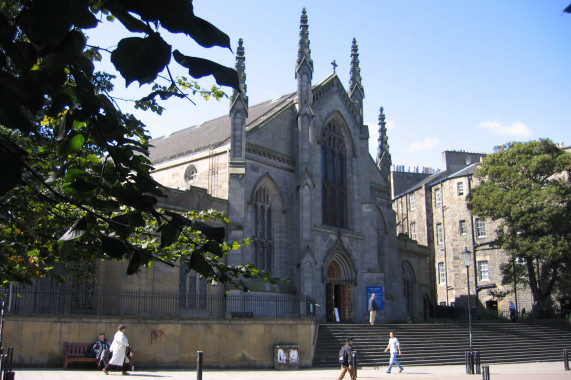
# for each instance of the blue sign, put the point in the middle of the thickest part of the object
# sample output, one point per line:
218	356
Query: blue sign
378	290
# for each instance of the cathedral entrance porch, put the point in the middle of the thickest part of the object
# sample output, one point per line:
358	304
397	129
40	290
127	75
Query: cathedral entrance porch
338	295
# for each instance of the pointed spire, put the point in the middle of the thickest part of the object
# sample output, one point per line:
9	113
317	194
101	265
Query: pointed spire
384	160
241	70
355	73
304	51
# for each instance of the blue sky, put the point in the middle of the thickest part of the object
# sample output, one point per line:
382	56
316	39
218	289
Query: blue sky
463	75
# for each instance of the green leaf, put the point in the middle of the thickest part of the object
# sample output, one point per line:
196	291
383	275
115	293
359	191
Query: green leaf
125	224
76	231
11	158
72	143
141	59
198	263
60	129
24	55
131	23
203	32
199	67
47	22
114	247
212	233
136	261
169	233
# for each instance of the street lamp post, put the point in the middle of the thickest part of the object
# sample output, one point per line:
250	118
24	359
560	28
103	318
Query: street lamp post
466	256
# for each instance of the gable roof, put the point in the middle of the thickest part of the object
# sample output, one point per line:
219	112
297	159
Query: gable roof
216	132
213	133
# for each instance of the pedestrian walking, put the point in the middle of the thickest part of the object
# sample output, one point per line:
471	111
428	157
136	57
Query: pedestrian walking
346	360
118	351
512	312
394	347
372	309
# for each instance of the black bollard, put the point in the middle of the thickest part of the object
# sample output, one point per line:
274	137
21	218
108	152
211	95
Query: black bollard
354	354
469	363
477	361
198	365
485	372
566	359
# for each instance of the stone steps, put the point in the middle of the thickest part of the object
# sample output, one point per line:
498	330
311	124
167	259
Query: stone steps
446	343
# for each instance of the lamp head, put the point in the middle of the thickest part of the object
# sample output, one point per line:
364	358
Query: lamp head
466	255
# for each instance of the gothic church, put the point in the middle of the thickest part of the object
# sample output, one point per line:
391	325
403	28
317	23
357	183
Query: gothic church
295	176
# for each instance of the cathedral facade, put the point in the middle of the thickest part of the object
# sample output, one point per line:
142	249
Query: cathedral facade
295	176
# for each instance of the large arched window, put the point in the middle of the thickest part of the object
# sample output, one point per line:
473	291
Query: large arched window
334	176
262	241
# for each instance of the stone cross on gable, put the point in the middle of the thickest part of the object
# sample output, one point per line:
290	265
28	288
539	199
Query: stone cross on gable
334	64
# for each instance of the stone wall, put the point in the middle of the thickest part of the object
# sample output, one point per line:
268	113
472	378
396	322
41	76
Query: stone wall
158	343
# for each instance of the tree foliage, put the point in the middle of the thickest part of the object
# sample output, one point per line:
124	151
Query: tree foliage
76	184
526	187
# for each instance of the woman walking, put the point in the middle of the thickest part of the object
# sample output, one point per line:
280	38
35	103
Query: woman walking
118	349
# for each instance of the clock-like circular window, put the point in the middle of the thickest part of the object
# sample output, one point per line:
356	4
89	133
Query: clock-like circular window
190	174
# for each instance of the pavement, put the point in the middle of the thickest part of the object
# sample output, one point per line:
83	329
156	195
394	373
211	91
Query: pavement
521	371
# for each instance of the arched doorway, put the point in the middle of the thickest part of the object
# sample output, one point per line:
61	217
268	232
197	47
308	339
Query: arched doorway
426	307
340	280
339	294
408	280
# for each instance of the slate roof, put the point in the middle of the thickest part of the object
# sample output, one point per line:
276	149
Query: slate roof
212	133
440	176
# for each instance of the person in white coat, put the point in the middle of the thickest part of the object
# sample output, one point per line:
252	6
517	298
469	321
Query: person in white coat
118	349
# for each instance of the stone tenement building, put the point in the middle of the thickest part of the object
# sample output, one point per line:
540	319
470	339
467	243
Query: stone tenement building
434	213
294	174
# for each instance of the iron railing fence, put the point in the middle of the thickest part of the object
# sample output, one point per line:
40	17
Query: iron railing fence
67	301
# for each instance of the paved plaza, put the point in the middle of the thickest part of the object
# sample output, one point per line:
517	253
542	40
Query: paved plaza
522	371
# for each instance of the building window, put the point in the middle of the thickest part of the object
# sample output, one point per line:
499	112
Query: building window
480	228
437	197
412	202
190	174
334	177
413	231
462	228
439	234
483	270
262	241
460	188
441	273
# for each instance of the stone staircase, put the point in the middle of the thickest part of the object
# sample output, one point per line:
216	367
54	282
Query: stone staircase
446	343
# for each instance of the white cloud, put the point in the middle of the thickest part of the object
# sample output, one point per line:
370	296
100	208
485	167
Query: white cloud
426	144
515	129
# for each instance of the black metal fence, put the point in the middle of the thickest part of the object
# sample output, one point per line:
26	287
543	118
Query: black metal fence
67	301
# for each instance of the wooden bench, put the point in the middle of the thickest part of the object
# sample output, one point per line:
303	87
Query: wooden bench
75	352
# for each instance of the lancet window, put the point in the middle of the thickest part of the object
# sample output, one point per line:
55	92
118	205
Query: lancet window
334	176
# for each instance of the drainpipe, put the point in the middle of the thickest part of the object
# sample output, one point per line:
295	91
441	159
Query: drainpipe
444	241
473	246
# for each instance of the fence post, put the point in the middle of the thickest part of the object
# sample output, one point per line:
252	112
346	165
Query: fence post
566	359
469	363
198	365
485	372
477	361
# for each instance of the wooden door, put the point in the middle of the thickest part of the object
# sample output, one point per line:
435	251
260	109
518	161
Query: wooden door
346	303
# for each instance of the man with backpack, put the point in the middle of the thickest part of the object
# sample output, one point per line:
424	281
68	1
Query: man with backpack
346	360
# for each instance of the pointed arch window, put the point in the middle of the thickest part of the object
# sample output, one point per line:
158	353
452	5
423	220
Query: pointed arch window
262	218
334	176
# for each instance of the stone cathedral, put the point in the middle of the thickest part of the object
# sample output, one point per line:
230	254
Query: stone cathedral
295	176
